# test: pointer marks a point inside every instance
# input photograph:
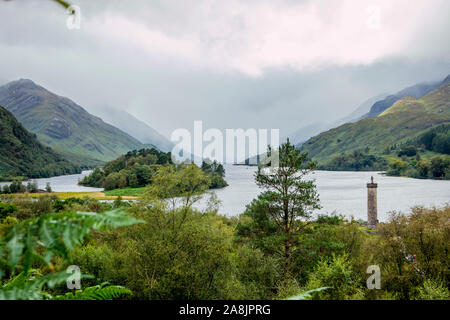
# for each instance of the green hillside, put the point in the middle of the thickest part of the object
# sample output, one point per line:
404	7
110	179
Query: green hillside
372	143
21	154
65	126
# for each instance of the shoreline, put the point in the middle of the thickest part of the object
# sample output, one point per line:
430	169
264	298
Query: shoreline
94	195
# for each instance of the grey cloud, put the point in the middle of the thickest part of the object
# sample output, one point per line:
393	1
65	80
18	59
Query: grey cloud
170	93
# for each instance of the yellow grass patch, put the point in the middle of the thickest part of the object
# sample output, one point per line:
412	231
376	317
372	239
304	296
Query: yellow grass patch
66	195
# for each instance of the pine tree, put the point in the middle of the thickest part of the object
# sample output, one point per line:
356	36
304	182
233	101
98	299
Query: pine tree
288	197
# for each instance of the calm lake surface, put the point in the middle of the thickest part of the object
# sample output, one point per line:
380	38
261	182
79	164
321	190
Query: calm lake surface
342	192
67	183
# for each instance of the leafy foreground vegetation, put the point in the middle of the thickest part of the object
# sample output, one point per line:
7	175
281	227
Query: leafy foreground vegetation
22	155
40	241
136	169
275	250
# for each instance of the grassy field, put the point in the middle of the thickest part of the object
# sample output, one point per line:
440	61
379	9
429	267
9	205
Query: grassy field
133	192
125	193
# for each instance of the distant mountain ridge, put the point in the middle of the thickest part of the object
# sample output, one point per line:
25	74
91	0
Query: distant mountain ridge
416	91
405	120
369	108
362	109
62	124
310	130
21	154
134	127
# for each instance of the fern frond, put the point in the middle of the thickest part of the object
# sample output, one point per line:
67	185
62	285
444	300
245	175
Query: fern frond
99	292
56	234
26	287
38	240
307	294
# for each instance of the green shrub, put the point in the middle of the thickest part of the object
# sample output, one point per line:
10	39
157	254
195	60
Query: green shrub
336	273
433	290
6	210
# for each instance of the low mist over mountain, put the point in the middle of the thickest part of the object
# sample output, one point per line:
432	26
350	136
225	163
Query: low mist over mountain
134	127
369	108
404	121
62	124
308	131
415	91
21	154
362	110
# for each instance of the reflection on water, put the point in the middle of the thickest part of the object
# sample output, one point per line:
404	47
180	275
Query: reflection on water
67	183
343	192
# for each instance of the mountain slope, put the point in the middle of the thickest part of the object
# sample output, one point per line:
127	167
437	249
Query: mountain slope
406	119
415	91
369	108
62	124
436	102
21	154
308	131
134	127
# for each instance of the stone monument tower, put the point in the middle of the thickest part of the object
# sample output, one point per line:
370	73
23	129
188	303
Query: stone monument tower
372	219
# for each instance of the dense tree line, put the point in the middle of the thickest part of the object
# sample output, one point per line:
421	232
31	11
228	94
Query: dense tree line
436	139
411	162
358	160
425	156
216	172
136	169
436	168
405	159
18	187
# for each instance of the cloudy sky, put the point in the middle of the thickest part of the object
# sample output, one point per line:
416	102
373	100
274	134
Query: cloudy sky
247	63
